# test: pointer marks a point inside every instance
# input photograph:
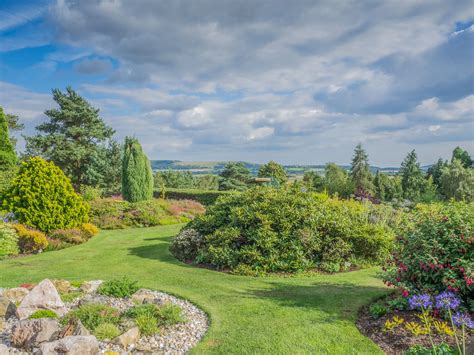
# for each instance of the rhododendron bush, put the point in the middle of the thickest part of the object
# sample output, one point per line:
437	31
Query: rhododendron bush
435	251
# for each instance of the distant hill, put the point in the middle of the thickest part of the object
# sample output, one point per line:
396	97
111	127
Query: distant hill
215	167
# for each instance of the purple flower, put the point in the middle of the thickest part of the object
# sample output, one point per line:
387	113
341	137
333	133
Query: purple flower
447	300
463	319
420	301
9	218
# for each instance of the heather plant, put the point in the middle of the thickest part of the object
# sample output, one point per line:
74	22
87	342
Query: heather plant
41	196
30	240
435	251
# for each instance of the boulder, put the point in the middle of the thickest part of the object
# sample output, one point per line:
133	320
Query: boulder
71	345
144	296
74	327
32	332
62	286
91	286
4	349
43	296
131	336
16	294
7	308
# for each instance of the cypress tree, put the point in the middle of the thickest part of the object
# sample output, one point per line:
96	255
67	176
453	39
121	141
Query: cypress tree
137	177
360	170
7	152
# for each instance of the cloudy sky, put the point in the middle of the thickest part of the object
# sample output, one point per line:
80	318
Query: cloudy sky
293	81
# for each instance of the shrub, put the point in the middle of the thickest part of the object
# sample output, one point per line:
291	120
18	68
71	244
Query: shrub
89	230
6	177
106	331
147	324
273	230
120	288
42	196
43	313
8	240
169	314
70	236
377	310
435	251
92	315
137	177
149	317
90	193
30	240
205	197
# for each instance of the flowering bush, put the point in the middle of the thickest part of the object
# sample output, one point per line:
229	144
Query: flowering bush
435	251
30	240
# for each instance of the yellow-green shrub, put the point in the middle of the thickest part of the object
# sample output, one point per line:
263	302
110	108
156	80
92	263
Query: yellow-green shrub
30	240
89	229
8	240
43	197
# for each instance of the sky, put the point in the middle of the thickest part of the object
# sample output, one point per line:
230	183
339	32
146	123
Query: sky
298	82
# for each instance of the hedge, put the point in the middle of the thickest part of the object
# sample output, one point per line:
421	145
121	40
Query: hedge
206	197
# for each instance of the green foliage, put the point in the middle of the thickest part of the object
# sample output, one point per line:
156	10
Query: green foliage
387	188
206	182
441	349
174	179
75	138
30	240
150	317
106	331
92	315
119	288
435	250
14	125
41	196
313	181
8	157
43	313
337	181
457	182
8	240
275	171
186	245
169	314
137	177
6	178
235	176
463	156
90	193
71	296
270	230
435	171
205	197
377	310
398	304
360	170
147	324
412	177
75	235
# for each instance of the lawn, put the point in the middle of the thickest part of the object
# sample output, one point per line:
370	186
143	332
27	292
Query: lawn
303	314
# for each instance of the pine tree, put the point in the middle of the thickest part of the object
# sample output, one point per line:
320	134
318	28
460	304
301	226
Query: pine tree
137	176
436	170
412	177
275	171
360	170
8	157
463	156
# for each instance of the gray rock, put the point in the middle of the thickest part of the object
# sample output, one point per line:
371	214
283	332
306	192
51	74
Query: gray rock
71	345
131	336
62	286
32	332
144	296
91	286
7	308
75	327
4	349
16	294
43	296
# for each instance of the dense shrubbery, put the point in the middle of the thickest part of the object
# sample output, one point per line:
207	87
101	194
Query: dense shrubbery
271	230
112	213
8	240
75	235
205	197
30	240
435	250
41	196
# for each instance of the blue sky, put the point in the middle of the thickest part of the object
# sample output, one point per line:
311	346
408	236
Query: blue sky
300	82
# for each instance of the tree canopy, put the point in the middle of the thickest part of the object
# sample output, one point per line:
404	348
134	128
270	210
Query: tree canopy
235	176
360	170
8	157
412	177
274	171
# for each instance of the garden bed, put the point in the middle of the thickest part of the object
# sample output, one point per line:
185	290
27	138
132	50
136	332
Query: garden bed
89	319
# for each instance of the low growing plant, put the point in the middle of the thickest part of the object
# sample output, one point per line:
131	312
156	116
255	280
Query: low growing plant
106	331
8	240
30	240
377	310
43	313
120	288
92	315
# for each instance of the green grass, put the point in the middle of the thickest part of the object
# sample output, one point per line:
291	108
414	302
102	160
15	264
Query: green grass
277	315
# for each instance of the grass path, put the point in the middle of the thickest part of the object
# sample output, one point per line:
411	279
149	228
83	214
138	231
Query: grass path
295	315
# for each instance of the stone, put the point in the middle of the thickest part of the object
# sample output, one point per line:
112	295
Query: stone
131	336
75	327
32	332
143	296
16	294
7	308
71	345
62	286
43	296
4	349
91	286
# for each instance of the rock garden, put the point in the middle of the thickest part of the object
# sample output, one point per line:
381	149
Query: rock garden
93	317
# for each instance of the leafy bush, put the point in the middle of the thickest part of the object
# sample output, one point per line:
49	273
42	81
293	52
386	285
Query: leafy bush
70	236
120	288
205	197
6	177
112	213
92	315
90	193
187	244
377	310
435	251
89	230
43	313
8	240
106	331
41	196
271	230
30	240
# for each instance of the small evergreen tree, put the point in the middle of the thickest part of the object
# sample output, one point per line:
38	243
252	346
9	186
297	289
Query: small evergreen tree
235	176
137	176
360	170
273	170
463	156
8	157
436	170
412	177
14	125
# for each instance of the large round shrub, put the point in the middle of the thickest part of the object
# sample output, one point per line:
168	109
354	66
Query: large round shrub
41	196
271	230
435	250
